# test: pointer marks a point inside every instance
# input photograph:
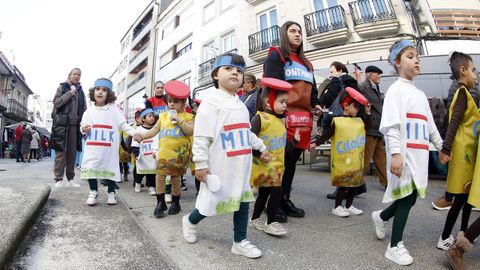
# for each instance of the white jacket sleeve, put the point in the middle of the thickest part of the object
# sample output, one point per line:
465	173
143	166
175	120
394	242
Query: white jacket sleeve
127	128
257	144
434	135
200	151
394	140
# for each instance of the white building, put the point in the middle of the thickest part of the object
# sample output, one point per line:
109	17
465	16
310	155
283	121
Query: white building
39	109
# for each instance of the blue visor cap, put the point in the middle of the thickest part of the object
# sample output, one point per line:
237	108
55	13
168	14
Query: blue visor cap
398	48
103	83
226	60
145	112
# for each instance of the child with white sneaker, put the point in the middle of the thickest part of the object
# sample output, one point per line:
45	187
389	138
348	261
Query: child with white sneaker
461	143
145	154
267	177
348	146
101	124
408	126
222	146
174	129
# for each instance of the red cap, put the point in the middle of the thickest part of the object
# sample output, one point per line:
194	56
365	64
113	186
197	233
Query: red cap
357	95
197	100
177	89
276	84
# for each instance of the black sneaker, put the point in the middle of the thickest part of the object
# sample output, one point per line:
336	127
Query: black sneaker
281	216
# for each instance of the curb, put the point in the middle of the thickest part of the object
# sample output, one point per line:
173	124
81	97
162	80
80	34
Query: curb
15	239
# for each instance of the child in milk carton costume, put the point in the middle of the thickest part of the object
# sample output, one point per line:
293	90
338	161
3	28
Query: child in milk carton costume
222	146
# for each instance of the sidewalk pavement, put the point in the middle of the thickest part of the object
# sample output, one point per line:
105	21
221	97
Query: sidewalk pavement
69	234
122	234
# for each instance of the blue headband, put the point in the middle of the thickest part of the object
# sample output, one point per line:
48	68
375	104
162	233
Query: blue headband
145	112
398	47
226	60
103	83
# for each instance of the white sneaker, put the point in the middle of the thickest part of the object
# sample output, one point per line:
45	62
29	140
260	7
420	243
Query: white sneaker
72	183
245	248
380	225
276	229
354	211
257	224
445	244
168	198
398	254
189	230
92	198
59	184
138	187
340	211
111	199
152	191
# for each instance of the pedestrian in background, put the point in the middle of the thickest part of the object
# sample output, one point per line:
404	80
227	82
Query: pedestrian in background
69	104
18	142
250	97
405	106
101	124
26	140
34	145
157	102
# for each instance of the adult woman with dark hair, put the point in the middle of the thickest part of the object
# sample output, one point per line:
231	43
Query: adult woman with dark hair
288	62
157	102
69	104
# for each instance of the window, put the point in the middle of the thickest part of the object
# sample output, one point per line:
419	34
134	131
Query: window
168	28
166	58
209	51
268	19
184	49
187	81
228	42
183	46
209	12
227	3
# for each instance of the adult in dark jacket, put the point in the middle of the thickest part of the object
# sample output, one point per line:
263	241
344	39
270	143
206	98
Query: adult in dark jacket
338	75
374	145
26	139
69	104
288	62
250	96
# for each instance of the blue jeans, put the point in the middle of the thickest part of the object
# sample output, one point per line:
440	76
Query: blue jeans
240	221
94	185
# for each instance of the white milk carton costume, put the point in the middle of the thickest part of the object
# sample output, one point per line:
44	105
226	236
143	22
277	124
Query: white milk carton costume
406	110
224	120
146	163
101	155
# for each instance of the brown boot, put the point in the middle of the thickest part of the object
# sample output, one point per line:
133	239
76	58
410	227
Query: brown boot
455	253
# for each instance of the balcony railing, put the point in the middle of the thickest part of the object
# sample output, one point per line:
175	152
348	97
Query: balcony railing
3	101
138	78
139	52
16	110
325	20
264	39
369	11
457	22
205	68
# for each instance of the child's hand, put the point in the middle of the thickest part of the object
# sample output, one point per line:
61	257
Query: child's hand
86	128
154	155
444	158
138	138
297	135
265	156
396	165
201	175
312	147
368	108
176	118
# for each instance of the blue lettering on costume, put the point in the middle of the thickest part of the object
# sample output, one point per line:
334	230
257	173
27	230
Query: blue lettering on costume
172	132
274	143
350	145
296	72
408	130
227	138
242	143
101	135
475	129
111	135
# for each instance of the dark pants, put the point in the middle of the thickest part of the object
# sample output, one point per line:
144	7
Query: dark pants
473	231
150	182
33	154
94	185
124	167
291	159
240	221
459	202
65	160
272	194
18	150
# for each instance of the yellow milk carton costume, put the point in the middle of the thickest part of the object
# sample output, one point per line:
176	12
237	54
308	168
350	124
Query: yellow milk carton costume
348	145
464	148
173	146
274	136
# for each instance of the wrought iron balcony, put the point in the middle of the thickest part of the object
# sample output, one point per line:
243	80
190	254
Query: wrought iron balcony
325	20
205	68
264	39
16	110
370	11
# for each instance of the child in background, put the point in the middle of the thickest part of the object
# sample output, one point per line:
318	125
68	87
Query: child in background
408	126
461	142
145	154
348	145
101	123
175	127
267	125
124	155
222	146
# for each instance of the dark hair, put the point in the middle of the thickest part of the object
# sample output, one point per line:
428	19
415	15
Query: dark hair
249	77
262	94
236	59
339	67
110	94
343	95
165	96
285	45
158	82
457	60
